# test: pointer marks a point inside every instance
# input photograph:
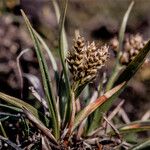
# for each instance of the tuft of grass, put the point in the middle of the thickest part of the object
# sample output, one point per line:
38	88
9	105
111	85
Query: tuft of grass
65	124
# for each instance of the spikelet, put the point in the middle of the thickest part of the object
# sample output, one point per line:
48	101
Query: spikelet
76	57
114	44
132	46
85	59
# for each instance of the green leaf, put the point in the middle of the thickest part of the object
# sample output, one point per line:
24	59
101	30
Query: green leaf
124	24
45	78
57	11
9	114
63	47
64	37
18	103
137	126
51	57
94	105
62	99
2	130
11	107
144	145
62	57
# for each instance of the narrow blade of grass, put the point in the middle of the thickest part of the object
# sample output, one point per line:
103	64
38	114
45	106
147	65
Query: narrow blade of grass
64	47
62	57
57	12
137	126
124	24
3	130
11	107
62	99
72	119
94	105
18	103
51	57
45	78
61	31
117	68
144	145
9	114
47	49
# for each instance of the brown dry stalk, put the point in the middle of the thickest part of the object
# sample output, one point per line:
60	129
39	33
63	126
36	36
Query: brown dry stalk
94	105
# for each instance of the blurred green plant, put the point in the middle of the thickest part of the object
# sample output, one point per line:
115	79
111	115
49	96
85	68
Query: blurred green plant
64	123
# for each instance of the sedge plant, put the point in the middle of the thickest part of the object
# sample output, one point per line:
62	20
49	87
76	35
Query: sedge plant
64	123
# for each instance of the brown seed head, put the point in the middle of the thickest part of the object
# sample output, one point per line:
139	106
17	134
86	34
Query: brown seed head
114	44
132	45
85	59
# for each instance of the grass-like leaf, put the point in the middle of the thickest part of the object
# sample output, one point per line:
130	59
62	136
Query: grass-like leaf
8	114
58	14
94	105
18	103
11	107
45	78
62	57
57	10
2	130
124	24
47	49
145	145
51	57
137	126
62	99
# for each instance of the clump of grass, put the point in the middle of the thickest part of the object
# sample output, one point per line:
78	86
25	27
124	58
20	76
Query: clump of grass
64	124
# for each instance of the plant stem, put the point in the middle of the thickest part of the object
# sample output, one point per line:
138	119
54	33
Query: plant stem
2	130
